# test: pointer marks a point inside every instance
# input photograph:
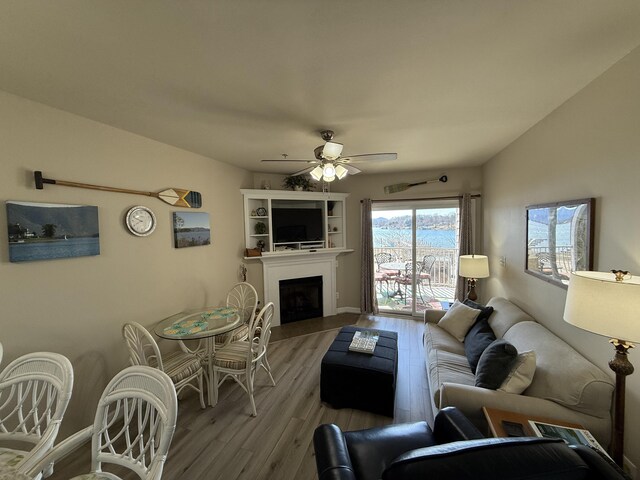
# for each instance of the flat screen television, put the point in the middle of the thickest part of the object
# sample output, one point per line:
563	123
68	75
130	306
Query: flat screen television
297	225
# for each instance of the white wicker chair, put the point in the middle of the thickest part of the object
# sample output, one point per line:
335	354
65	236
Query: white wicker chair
183	368
244	297
241	360
133	427
34	393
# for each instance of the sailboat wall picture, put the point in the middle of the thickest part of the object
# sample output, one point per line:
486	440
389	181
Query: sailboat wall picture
45	231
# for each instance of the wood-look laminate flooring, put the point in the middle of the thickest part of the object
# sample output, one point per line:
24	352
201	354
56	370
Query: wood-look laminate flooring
226	443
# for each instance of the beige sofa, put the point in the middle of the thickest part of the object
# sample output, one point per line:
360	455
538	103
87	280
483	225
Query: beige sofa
566	386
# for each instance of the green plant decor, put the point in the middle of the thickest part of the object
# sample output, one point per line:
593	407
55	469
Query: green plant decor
297	182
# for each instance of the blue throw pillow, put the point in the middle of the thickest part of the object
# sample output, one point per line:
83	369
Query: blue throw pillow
485	312
478	338
495	364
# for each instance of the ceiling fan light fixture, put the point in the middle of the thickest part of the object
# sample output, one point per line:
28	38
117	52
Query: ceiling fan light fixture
316	173
329	179
328	170
332	150
341	172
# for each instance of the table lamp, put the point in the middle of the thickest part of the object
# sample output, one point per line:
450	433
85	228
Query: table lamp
608	304
473	267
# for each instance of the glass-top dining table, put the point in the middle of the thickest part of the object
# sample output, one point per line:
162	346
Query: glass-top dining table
201	324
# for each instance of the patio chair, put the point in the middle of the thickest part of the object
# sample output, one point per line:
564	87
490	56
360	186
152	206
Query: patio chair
424	273
241	360
381	275
34	394
133	427
183	368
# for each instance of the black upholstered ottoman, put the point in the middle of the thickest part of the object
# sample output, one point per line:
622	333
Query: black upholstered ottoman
360	380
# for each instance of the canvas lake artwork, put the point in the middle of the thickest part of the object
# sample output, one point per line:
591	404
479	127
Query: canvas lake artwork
45	231
191	229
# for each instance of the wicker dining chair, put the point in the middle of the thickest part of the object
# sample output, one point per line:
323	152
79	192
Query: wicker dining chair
242	296
133	427
242	359
184	369
34	394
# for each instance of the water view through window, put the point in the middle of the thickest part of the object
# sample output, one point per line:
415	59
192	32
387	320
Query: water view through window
416	257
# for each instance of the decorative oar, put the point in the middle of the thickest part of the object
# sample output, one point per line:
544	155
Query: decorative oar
401	187
173	196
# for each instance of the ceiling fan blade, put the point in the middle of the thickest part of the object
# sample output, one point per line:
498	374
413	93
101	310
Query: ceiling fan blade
289	160
350	168
302	172
369	157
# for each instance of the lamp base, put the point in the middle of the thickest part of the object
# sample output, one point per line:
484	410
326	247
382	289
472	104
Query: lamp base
622	367
472	295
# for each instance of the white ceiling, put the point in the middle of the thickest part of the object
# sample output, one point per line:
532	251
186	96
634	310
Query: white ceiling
442	83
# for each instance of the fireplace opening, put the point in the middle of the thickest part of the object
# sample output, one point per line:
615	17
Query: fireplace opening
300	298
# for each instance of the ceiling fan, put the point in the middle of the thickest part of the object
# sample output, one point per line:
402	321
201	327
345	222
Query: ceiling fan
329	163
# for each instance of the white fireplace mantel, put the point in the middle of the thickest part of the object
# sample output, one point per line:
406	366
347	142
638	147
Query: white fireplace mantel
301	265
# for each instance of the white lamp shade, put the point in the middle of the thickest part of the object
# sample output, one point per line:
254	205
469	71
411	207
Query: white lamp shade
474	266
316	173
332	150
599	304
341	172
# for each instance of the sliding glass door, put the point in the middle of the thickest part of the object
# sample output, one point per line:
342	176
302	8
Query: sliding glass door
415	246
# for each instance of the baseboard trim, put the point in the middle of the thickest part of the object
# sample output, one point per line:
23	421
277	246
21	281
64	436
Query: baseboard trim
347	310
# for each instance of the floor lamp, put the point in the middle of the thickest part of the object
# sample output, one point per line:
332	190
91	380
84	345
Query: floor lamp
608	304
473	267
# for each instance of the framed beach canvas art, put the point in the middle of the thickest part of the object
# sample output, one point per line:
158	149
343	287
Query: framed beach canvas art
191	229
45	231
559	239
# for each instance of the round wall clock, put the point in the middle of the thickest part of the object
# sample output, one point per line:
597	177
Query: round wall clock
140	221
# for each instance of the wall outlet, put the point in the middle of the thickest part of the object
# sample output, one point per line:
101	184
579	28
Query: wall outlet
629	467
337	295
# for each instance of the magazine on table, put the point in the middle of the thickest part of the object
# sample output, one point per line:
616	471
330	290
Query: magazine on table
364	341
573	436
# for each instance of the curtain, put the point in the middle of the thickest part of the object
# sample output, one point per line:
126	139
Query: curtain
368	301
466	240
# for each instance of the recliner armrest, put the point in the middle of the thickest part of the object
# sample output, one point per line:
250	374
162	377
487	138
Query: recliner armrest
451	425
486	459
332	455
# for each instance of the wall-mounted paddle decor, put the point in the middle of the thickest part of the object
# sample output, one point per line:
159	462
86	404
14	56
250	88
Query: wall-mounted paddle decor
401	187
173	196
191	229
43	231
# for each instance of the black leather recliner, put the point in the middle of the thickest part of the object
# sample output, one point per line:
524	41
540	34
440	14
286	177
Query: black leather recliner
455	449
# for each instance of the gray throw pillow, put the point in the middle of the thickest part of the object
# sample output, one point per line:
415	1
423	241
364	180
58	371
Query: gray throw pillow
495	364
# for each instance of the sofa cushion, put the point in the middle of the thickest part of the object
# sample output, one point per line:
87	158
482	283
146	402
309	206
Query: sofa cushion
495	364
562	374
447	367
505	315
458	320
436	338
479	337
521	374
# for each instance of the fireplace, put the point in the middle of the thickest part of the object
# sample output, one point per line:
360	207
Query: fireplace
300	298
287	266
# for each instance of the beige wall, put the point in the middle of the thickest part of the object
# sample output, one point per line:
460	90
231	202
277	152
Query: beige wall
77	306
589	147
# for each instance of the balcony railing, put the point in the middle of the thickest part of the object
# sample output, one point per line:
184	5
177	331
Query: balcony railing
443	276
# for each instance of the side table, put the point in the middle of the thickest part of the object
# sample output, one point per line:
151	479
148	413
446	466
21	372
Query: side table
495	418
